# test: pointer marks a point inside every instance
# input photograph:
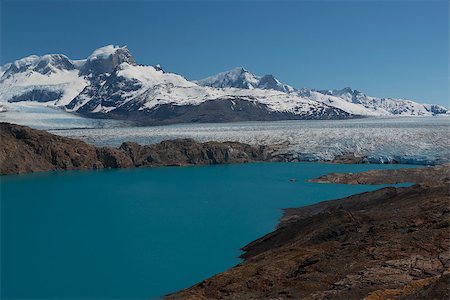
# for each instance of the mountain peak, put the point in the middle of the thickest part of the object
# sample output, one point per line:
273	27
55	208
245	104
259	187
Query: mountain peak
238	70
52	62
45	65
106	51
106	59
158	67
240	77
269	82
347	89
339	92
26	61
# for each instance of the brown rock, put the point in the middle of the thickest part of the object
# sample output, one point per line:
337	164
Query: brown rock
24	150
430	175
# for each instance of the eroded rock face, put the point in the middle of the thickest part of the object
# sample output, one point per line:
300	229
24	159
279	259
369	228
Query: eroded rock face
392	243
189	152
38	95
24	150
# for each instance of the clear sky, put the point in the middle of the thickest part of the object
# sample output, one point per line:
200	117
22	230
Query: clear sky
383	48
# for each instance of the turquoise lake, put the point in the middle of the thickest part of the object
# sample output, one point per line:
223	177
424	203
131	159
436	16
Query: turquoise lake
143	233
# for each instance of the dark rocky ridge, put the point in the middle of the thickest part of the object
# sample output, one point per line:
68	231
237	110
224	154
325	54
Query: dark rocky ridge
24	150
392	243
232	109
37	95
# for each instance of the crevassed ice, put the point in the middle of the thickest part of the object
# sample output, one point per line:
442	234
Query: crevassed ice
405	140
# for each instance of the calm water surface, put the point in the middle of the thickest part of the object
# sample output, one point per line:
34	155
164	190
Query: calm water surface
144	233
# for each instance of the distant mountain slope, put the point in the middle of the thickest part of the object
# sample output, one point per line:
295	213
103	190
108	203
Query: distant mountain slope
111	84
386	106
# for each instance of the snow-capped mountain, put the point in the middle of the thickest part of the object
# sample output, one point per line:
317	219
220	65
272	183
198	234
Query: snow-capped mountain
104	60
49	78
150	95
243	79
110	84
386	106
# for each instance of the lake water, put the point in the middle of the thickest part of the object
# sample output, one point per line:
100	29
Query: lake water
143	233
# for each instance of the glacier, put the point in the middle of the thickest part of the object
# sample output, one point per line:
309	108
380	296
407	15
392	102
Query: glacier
414	140
423	141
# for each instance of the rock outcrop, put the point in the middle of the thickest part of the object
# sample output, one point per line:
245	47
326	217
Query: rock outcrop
24	150
392	243
429	175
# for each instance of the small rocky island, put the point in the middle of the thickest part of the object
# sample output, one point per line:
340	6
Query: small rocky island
385	244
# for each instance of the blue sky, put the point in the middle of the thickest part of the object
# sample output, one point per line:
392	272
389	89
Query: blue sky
383	48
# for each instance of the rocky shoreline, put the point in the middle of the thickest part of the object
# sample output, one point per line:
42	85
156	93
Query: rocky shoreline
392	243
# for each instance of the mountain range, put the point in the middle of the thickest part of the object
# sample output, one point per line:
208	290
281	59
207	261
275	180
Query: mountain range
111	84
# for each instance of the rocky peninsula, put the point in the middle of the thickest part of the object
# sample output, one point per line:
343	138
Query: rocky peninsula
392	243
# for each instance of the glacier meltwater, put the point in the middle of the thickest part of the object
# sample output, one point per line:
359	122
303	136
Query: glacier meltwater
143	233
